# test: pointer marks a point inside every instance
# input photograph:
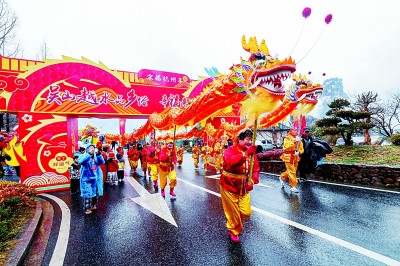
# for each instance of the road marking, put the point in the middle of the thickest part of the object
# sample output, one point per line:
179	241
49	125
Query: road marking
152	202
262	185
340	242
213	176
343	185
62	240
218	176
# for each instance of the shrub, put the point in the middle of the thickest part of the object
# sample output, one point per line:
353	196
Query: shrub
12	189
16	204
270	155
395	139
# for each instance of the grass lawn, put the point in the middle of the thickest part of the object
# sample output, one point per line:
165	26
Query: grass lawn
379	155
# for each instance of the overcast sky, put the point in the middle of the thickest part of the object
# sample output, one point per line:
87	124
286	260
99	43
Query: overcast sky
360	45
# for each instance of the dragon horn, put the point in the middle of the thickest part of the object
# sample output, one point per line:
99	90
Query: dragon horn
264	47
252	45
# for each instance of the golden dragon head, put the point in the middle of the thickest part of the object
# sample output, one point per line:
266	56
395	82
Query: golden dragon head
261	70
305	92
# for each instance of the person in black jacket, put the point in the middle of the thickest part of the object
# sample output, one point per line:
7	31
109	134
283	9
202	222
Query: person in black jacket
74	174
306	163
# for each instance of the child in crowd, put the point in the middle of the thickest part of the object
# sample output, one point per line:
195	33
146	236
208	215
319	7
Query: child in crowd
121	167
112	169
74	175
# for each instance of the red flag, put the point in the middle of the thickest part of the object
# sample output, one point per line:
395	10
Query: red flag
122	122
303	124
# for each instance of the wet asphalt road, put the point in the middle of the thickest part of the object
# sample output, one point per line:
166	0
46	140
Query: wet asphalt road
354	226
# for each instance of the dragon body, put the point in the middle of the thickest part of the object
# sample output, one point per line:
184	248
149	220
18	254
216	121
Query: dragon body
261	75
300	97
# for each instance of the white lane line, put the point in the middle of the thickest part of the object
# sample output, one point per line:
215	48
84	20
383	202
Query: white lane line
213	176
262	185
340	242
63	235
343	185
218	176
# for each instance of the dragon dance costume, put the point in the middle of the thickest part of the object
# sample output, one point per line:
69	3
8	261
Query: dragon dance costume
133	158
292	148
235	187
166	168
152	161
206	151
179	154
218	155
144	159
195	155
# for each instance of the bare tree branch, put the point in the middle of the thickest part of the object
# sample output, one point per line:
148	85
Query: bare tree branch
387	120
8	25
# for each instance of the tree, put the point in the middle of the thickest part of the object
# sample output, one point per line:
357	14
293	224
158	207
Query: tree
365	103
8	121
343	120
387	118
44	51
8	24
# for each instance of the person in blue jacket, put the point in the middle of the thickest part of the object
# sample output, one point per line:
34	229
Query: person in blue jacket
91	177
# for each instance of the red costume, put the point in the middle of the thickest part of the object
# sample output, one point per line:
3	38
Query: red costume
167	159
144	159
133	158
152	160
235	183
236	164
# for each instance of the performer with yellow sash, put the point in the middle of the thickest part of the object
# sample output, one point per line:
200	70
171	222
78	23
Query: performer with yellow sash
196	155
235	183
166	168
206	151
152	161
292	148
218	155
179	154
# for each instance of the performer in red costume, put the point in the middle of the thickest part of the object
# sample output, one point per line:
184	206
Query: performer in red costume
235	183
133	158
152	160
144	158
179	154
167	159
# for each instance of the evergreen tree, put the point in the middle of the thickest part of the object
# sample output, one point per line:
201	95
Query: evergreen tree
343	121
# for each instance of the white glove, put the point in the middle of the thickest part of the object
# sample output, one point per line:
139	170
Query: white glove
298	138
296	153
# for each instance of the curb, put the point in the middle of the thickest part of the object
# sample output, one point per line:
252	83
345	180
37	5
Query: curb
25	238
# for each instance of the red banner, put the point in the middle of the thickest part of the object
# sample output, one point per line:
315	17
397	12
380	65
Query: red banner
122	123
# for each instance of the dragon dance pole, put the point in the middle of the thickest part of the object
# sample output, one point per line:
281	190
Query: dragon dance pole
173	142
252	156
299	131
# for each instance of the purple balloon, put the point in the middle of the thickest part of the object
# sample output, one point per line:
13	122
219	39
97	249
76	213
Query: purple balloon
306	12
328	19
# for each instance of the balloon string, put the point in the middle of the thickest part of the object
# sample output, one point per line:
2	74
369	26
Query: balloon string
319	37
298	38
